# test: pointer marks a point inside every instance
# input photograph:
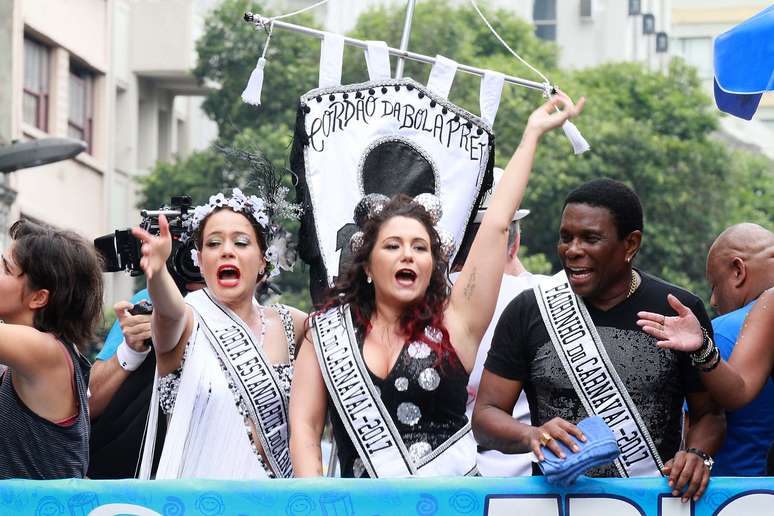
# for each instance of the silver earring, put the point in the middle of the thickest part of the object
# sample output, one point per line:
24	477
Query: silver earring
368	279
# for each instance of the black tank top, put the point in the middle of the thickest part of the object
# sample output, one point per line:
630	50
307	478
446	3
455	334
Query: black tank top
425	398
34	448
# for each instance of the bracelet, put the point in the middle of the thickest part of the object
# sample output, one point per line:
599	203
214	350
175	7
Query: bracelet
701	453
705	350
713	363
703	354
129	359
705	457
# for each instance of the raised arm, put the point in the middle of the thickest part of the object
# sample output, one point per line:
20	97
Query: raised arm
30	353
474	295
737	382
41	376
172	319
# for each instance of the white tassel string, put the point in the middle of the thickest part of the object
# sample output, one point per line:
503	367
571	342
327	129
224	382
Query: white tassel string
507	47
252	93
302	10
579	143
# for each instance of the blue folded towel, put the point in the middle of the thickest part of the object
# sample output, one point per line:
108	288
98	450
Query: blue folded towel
600	448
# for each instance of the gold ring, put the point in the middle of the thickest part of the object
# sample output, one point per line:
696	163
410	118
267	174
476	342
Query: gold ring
545	438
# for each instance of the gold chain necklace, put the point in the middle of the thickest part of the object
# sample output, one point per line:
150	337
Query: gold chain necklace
633	285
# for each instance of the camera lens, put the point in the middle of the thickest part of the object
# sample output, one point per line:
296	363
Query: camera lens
182	263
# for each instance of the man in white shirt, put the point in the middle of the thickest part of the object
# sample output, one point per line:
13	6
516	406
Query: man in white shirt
516	279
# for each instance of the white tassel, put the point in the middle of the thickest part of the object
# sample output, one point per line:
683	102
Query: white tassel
579	143
252	93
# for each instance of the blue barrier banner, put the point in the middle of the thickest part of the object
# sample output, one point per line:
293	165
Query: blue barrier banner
339	497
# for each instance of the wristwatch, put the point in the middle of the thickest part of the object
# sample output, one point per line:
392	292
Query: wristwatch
708	461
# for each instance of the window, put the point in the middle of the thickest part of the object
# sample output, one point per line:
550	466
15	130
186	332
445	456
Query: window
79	120
35	97
544	17
586	10
696	52
648	24
662	42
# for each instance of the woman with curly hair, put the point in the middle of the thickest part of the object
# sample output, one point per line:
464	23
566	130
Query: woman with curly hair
51	302
224	361
392	348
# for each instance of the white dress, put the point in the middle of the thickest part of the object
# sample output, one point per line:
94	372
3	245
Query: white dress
207	437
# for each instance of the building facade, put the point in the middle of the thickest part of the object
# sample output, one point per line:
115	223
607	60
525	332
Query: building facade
588	32
113	73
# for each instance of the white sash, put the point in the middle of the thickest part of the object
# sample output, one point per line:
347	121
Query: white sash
369	425
593	376
252	380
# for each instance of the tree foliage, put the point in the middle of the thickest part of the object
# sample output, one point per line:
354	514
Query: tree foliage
654	132
650	130
227	53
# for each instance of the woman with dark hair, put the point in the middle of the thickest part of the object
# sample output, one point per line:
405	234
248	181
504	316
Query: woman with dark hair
51	302
393	347
224	361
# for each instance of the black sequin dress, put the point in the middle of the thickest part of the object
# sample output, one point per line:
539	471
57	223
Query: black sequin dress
424	396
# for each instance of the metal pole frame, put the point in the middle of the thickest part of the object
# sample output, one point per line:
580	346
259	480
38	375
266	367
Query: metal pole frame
404	40
262	22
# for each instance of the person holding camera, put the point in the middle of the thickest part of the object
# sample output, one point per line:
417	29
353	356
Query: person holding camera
224	361
124	351
51	302
121	387
121	382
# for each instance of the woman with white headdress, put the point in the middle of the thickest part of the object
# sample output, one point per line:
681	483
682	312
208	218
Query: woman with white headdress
224	361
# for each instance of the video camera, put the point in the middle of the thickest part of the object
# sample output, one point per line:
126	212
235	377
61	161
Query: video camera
121	250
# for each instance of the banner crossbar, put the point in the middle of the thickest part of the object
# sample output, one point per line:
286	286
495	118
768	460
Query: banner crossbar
264	22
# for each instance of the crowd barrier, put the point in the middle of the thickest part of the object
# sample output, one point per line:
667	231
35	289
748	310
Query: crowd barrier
340	497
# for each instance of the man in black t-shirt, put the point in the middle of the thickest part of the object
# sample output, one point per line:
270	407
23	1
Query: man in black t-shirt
600	234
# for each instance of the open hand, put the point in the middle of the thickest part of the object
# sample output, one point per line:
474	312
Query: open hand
681	333
155	249
547	117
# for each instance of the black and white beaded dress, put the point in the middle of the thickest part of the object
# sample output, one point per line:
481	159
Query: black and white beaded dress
425	398
213	387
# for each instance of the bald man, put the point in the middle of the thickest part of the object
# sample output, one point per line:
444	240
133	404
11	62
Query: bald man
740	267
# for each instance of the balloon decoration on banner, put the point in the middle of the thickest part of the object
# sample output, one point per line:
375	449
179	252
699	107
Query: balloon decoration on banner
385	136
